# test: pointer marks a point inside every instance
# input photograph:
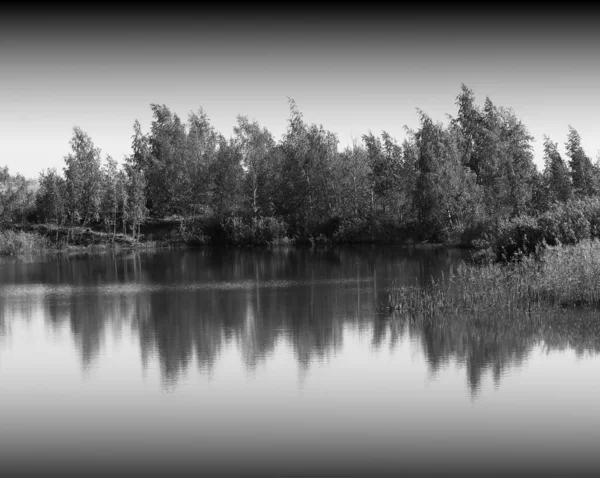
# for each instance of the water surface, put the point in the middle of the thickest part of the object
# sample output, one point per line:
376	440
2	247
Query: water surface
277	363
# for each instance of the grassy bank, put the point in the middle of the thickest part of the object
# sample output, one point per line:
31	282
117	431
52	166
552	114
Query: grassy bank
561	276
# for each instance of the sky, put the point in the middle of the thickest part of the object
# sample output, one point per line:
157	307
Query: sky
353	70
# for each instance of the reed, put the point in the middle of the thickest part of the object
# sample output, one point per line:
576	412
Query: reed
562	276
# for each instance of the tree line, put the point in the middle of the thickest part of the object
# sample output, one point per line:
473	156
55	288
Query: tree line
442	183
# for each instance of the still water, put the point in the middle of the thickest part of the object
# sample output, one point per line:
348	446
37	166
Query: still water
277	363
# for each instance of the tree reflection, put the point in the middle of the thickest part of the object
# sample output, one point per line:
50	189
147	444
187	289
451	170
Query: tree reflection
481	346
187	307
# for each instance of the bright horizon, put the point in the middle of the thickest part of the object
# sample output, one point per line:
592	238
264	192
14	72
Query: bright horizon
353	73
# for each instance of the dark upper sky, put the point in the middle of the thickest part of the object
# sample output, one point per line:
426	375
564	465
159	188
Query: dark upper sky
353	70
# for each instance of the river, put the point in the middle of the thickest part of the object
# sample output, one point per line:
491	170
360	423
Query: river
245	362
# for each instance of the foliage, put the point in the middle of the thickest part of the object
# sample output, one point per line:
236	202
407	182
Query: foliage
14	243
16	199
234	229
496	146
470	181
83	180
255	146
563	223
582	170
556	173
447	196
51	198
309	153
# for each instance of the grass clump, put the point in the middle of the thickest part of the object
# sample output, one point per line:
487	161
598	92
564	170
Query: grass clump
560	276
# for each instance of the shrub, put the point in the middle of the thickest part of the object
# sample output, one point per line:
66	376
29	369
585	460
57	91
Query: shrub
240	231
563	223
353	230
13	243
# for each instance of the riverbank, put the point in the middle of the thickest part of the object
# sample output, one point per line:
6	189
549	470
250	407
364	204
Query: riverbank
559	276
41	239
173	233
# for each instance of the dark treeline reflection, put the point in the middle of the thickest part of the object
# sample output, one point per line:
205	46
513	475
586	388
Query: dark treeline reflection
185	307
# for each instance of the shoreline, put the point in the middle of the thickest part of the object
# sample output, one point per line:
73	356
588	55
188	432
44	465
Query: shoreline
101	246
44	238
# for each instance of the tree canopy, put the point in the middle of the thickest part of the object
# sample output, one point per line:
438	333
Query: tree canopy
440	182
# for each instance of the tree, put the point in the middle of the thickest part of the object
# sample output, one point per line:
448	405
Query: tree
169	182
226	173
123	200
469	121
409	173
83	179
16	199
429	143
202	146
497	148
309	152
479	146
135	206
141	156
109	205
517	161
556	173
353	183
51	198
256	146
446	196
582	170
385	161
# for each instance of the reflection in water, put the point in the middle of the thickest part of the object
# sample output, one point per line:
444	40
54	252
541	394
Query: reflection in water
280	359
186	307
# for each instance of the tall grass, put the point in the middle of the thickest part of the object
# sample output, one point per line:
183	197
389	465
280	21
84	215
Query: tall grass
13	243
567	275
